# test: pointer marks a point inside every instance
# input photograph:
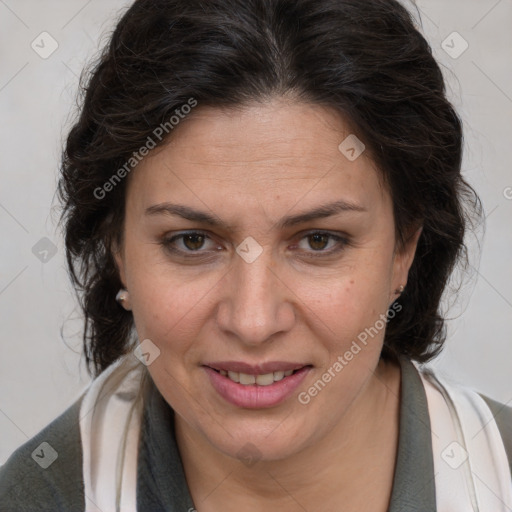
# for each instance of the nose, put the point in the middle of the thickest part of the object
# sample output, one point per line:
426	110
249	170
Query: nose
256	303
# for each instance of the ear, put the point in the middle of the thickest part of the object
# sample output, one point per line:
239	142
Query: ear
117	254
123	295
404	256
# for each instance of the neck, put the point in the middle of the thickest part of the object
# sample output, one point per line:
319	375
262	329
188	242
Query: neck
358	454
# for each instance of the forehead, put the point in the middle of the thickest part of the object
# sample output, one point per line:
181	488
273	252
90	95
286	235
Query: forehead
279	149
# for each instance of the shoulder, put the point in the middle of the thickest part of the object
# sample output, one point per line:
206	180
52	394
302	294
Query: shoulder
503	415
45	473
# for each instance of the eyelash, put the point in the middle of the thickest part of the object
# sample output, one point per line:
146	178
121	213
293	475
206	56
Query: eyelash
341	241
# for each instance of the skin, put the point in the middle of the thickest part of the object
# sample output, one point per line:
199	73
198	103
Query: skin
250	167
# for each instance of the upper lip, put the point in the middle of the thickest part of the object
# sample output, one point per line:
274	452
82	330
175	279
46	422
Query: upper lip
255	369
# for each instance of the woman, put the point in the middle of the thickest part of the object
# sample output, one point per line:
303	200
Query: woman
262	206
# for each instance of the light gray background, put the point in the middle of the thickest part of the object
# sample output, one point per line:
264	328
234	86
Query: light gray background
41	374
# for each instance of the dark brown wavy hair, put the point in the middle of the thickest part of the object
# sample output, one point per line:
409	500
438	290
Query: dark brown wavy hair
364	58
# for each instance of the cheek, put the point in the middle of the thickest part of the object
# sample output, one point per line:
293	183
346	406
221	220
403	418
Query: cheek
350	322
169	309
350	300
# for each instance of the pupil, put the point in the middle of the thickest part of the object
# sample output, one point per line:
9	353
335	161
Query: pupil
318	242
194	241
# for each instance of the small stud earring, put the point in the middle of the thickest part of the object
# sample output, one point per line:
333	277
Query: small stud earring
400	290
122	294
122	298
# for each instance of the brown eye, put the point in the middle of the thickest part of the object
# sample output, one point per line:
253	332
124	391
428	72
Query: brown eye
318	241
193	241
190	245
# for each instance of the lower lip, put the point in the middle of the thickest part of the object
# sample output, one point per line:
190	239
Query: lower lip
254	396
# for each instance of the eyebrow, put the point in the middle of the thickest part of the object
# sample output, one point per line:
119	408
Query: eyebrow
321	212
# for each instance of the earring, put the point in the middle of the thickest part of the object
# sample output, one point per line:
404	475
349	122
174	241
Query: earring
400	290
122	297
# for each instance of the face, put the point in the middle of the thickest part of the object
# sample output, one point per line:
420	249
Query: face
253	245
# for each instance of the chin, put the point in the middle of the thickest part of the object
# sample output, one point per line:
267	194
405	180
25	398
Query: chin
253	443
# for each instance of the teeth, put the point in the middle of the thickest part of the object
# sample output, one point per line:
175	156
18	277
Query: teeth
278	376
262	380
247	379
265	380
234	376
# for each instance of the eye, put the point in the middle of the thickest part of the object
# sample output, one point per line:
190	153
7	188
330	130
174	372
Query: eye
190	242
318	241
322	243
193	241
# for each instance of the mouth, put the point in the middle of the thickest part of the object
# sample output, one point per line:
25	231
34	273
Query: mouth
262	379
256	386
